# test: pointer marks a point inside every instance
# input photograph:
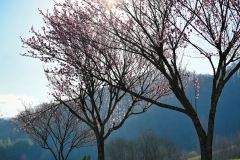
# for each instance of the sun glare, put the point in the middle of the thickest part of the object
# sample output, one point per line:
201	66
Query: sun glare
110	3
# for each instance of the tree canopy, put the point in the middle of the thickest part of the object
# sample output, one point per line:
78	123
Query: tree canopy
140	47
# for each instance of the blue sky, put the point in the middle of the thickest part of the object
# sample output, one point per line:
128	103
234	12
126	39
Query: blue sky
22	78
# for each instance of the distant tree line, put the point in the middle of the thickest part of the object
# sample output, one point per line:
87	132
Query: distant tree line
226	148
22	149
147	146
26	149
223	148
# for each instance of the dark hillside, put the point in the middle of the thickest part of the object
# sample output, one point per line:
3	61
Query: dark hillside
174	125
179	127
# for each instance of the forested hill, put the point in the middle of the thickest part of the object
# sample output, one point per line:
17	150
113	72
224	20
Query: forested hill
179	127
172	124
16	145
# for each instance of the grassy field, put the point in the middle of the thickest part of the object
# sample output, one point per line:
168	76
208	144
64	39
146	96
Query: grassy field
227	153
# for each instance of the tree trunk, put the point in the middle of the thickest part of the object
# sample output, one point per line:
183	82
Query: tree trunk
100	147
206	140
206	150
205	144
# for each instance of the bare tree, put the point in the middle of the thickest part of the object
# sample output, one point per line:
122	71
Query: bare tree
146	146
151	146
119	148
54	128
226	147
